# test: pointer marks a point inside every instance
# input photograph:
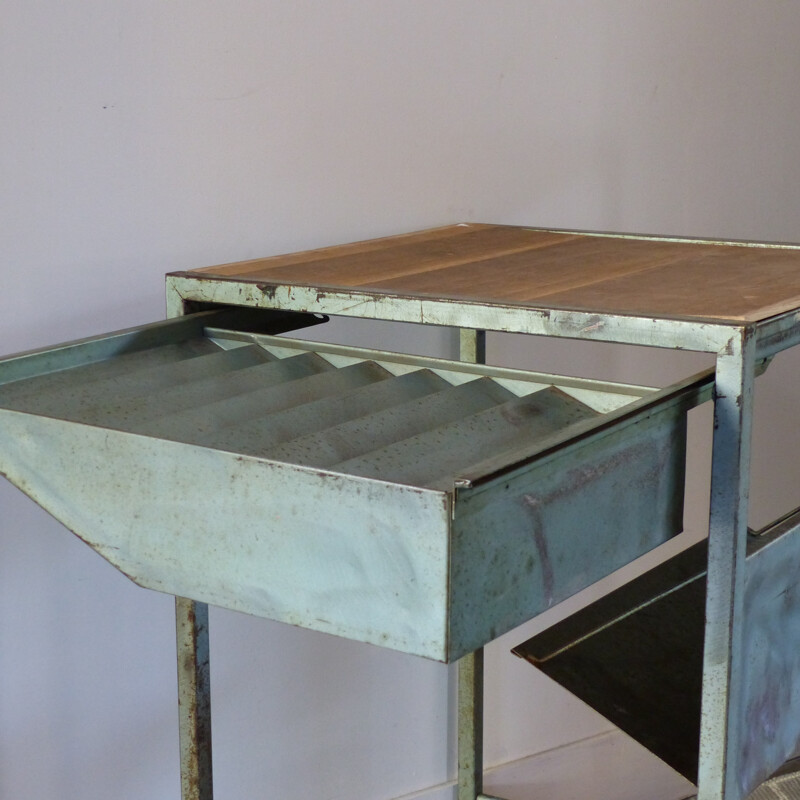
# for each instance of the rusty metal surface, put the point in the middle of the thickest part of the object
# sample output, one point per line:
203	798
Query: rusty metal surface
544	321
194	699
470	725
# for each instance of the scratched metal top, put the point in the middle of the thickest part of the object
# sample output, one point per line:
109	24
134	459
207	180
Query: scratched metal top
510	267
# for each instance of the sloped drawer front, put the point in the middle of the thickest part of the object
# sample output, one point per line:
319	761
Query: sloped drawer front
342	555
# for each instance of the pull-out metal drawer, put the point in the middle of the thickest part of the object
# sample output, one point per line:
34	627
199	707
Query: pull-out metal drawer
415	503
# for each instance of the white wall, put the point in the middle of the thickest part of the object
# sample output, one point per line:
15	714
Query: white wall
139	137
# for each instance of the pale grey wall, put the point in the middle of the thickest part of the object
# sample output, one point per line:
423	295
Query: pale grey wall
139	137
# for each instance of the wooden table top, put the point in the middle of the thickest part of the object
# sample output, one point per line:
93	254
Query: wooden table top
502	265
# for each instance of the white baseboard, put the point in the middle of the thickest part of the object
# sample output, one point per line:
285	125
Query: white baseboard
610	766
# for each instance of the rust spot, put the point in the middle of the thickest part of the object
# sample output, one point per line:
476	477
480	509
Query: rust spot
268	289
188	662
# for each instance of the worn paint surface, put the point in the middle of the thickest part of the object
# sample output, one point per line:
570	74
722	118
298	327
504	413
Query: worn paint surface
653	332
470	701
769	715
348	556
317	487
723	655
536	537
194	699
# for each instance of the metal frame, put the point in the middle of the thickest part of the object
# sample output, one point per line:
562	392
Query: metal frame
738	349
194	699
471	348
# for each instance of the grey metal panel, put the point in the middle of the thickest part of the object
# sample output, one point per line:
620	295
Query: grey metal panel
136	410
255	437
139	382
527	541
351	439
677	398
109	368
96	349
436	457
769	717
636	657
200	424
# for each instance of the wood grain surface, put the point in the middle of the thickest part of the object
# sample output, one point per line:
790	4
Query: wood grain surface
513	266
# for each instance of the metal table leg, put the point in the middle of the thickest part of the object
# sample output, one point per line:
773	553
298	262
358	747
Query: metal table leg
470	726
722	667
472	348
194	700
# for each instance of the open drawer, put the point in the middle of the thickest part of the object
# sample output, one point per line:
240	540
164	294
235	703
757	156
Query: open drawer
415	503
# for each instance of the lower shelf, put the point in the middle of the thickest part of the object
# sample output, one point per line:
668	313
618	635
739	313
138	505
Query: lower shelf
636	656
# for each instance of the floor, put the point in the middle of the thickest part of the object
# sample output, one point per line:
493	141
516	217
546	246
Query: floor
607	767
610	766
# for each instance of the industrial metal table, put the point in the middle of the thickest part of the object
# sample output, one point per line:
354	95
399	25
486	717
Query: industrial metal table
469	502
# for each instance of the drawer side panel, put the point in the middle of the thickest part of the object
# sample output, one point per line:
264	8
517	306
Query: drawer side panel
525	543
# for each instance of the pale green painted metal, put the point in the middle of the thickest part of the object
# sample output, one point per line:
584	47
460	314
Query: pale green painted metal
550	530
324	520
650	332
347	556
194	699
469	711
470	667
723	664
724	688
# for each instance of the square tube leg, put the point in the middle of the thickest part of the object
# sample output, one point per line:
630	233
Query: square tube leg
472	348
470	726
720	733
194	699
